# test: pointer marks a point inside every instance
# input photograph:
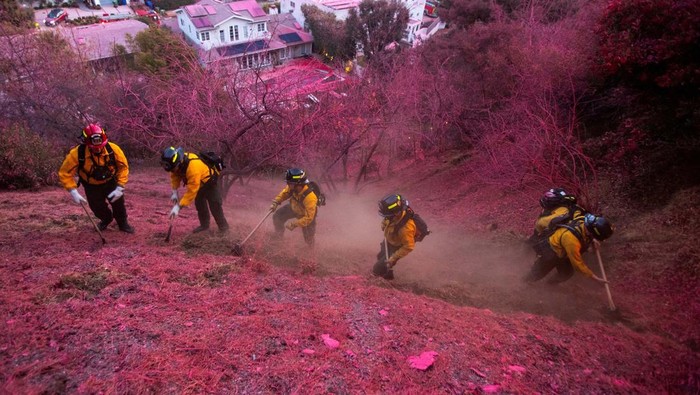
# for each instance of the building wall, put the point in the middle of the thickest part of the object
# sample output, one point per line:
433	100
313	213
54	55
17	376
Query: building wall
212	37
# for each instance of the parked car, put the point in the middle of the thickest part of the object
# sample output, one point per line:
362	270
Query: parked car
430	9
56	16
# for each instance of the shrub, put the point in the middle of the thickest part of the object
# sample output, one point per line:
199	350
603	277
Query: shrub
172	4
26	160
85	20
652	42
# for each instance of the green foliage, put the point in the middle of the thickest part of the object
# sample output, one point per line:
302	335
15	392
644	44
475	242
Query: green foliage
549	11
375	24
266	7
26	160
464	13
172	4
652	42
13	14
84	20
330	38
159	52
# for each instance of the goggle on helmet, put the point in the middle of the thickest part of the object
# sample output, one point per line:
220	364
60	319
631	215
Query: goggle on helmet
295	176
391	205
94	137
171	158
599	227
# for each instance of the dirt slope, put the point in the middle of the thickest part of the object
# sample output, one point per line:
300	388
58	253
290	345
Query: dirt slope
139	315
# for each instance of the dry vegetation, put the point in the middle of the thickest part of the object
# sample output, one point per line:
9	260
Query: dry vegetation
142	315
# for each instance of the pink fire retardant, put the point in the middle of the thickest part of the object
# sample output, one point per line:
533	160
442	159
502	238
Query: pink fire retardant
423	361
329	341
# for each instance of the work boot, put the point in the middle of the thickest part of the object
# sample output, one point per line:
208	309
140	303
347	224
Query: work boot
103	225
223	230
200	228
389	275
127	228
380	269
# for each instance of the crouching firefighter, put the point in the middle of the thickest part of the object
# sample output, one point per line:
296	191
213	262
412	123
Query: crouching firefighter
302	207
103	170
563	248
400	232
202	187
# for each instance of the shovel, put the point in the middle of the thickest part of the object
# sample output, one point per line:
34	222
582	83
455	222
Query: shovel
170	230
237	249
93	223
611	304
387	273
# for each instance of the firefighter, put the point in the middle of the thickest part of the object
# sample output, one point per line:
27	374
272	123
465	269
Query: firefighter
302	207
557	207
202	186
399	234
562	250
103	170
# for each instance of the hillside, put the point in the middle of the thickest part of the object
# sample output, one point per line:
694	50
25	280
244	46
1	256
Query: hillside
139	315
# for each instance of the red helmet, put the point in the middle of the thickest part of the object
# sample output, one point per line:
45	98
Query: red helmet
94	137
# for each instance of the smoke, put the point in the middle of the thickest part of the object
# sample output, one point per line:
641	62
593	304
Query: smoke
452	263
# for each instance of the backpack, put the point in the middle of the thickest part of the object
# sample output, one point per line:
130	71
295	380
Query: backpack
569	217
212	160
316	189
99	173
421	226
542	245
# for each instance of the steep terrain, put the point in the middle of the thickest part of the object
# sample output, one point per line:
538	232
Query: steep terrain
140	315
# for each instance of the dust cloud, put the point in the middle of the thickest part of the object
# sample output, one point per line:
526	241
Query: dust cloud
450	264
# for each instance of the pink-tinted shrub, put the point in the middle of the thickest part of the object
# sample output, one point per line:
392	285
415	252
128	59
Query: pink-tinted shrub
26	160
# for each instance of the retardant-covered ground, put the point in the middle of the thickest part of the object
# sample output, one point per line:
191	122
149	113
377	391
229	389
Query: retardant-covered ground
139	315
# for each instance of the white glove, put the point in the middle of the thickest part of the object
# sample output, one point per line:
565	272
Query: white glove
175	211
116	194
77	198
173	197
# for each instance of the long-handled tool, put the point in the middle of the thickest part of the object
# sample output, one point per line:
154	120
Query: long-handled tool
238	248
170	229
611	304
93	223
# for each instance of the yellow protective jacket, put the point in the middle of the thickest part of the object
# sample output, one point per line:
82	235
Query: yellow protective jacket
566	244
545	218
69	168
404	238
196	174
305	210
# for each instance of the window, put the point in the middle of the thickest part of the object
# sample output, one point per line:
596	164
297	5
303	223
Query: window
245	32
222	36
205	36
261	27
230	33
182	22
198	36
233	33
291	4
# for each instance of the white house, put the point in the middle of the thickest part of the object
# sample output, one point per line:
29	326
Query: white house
341	10
241	32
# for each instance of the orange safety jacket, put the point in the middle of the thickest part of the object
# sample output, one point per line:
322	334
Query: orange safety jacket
304	209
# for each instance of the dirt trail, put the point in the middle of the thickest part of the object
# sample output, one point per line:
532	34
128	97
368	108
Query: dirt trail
450	264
